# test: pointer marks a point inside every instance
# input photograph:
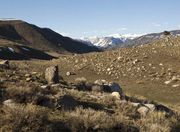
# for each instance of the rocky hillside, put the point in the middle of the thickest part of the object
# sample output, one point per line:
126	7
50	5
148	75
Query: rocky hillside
145	69
41	38
44	101
10	50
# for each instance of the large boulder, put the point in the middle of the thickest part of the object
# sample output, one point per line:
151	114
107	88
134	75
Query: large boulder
52	75
115	87
67	102
82	84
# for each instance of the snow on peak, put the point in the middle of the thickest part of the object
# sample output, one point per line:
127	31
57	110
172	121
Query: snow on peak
110	40
125	37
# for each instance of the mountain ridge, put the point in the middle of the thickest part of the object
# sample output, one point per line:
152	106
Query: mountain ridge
109	41
126	40
41	38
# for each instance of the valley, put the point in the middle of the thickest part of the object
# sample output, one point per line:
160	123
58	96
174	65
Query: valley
72	86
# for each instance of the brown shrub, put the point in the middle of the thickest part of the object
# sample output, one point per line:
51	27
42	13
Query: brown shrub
24	119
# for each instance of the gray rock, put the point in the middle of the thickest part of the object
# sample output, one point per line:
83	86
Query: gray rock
115	87
4	64
45	86
10	103
151	107
116	95
52	75
101	82
143	111
176	85
68	73
135	104
67	102
97	88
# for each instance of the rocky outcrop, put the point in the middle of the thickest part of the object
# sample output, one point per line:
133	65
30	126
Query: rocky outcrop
52	75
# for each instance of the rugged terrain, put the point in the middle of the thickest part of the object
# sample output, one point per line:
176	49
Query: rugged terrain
14	51
41	38
46	86
148	75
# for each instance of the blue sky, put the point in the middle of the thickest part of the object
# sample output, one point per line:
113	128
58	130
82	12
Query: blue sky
82	18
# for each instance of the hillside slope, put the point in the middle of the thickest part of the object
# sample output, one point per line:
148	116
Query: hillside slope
41	38
10	50
142	70
148	38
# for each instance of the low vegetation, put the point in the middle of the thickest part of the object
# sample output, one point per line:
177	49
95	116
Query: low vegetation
145	96
36	106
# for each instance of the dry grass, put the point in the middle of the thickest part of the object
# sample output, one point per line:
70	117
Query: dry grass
96	110
93	114
24	118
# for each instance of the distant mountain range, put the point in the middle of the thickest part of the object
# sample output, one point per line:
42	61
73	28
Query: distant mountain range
117	40
109	41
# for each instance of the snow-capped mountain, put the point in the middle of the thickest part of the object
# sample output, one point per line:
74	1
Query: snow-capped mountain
148	38
118	40
110	41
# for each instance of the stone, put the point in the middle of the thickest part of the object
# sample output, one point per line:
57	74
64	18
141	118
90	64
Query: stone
55	85
108	69
81	83
27	75
135	104
52	75
115	87
116	95
68	73
67	102
174	78
101	82
97	88
34	73
4	64
10	103
45	86
176	85
168	82
143	111
80	80
151	107
136	61
28	79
